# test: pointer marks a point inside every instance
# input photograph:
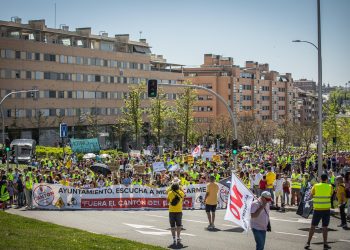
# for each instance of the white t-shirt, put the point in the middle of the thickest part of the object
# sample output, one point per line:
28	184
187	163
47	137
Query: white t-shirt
278	185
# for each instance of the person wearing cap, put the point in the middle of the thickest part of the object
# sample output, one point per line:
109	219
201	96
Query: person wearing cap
321	193
211	200
175	211
260	210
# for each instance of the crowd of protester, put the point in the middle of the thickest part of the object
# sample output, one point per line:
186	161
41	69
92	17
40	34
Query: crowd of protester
284	175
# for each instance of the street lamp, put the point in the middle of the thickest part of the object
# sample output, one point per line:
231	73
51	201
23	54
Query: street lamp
318	48
2	112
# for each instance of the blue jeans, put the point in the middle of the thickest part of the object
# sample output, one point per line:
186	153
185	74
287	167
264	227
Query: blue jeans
259	236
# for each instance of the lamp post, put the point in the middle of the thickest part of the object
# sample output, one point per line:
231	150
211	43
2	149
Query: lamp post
2	112
318	48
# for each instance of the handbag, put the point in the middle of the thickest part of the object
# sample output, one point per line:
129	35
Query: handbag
268	228
175	200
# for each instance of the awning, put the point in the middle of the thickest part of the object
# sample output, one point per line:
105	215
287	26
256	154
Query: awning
140	49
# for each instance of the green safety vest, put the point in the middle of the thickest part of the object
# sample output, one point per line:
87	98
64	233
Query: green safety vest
10	176
332	179
29	185
296	184
4	194
322	198
137	182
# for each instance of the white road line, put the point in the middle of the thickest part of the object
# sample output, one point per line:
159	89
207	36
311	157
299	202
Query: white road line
303	235
293	221
196	221
345	240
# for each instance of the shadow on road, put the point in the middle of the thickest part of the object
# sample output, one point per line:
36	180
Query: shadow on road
212	230
234	230
177	246
317	230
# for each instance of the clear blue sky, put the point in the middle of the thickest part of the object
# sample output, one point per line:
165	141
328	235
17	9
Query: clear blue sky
184	30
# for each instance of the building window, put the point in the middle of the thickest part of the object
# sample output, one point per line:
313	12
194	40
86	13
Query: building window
70	59
79	60
52	94
265	98
39	75
17	74
29	56
61	94
37	56
50	57
247	87
265	88
18	54
247	98
97	78
9	54
63	59
52	112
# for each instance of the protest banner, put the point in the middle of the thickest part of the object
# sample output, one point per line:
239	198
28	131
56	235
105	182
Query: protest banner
239	204
59	197
85	145
147	152
158	166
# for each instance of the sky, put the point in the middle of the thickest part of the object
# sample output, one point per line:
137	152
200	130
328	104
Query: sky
184	30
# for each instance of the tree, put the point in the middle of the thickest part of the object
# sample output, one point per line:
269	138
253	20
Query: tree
132	114
330	126
159	113
306	134
223	127
184	112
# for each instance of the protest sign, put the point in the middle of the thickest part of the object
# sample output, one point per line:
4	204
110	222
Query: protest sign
135	153
85	145
207	155
59	197
158	166
216	158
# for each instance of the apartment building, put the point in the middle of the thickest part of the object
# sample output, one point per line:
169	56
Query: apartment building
250	91
76	72
306	85
306	106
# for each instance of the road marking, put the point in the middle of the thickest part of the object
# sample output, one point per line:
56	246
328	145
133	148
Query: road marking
345	240
303	235
196	221
161	233
306	221
137	226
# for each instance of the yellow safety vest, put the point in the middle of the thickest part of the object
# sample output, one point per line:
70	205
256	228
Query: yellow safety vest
296	184
29	185
322	198
246	182
4	196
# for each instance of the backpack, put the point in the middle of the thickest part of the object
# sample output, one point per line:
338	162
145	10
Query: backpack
176	200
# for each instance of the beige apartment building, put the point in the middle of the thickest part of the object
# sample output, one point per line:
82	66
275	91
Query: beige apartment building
76	72
250	91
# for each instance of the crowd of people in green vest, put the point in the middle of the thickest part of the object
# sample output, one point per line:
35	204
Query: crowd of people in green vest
284	174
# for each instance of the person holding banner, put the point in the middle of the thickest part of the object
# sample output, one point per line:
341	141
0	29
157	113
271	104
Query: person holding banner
259	222
175	200
211	200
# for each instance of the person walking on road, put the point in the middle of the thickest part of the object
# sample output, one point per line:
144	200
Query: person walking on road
259	222
175	200
211	200
341	197
321	193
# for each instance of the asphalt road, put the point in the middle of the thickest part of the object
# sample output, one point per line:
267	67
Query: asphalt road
289	231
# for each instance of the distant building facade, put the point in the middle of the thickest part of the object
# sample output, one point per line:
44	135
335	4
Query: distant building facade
76	72
250	91
306	85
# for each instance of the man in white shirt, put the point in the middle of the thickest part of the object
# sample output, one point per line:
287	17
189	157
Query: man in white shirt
257	178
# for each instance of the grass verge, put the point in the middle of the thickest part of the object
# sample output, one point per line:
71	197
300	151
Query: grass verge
19	232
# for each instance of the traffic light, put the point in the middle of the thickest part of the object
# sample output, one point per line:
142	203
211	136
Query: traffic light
152	87
235	146
7	145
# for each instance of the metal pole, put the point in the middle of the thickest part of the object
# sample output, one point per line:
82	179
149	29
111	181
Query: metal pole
320	144
2	112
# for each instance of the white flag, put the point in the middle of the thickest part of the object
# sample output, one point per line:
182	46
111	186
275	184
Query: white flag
239	204
196	151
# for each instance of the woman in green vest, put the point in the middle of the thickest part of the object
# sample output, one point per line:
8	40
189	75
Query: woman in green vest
4	194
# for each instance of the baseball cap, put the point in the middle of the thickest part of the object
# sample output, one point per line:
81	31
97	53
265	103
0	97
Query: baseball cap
266	195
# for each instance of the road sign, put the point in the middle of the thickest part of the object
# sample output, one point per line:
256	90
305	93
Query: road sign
63	130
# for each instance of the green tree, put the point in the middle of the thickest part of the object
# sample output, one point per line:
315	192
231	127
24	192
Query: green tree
159	113
184	112
330	126
132	114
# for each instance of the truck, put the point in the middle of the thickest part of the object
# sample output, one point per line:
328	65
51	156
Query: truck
23	150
